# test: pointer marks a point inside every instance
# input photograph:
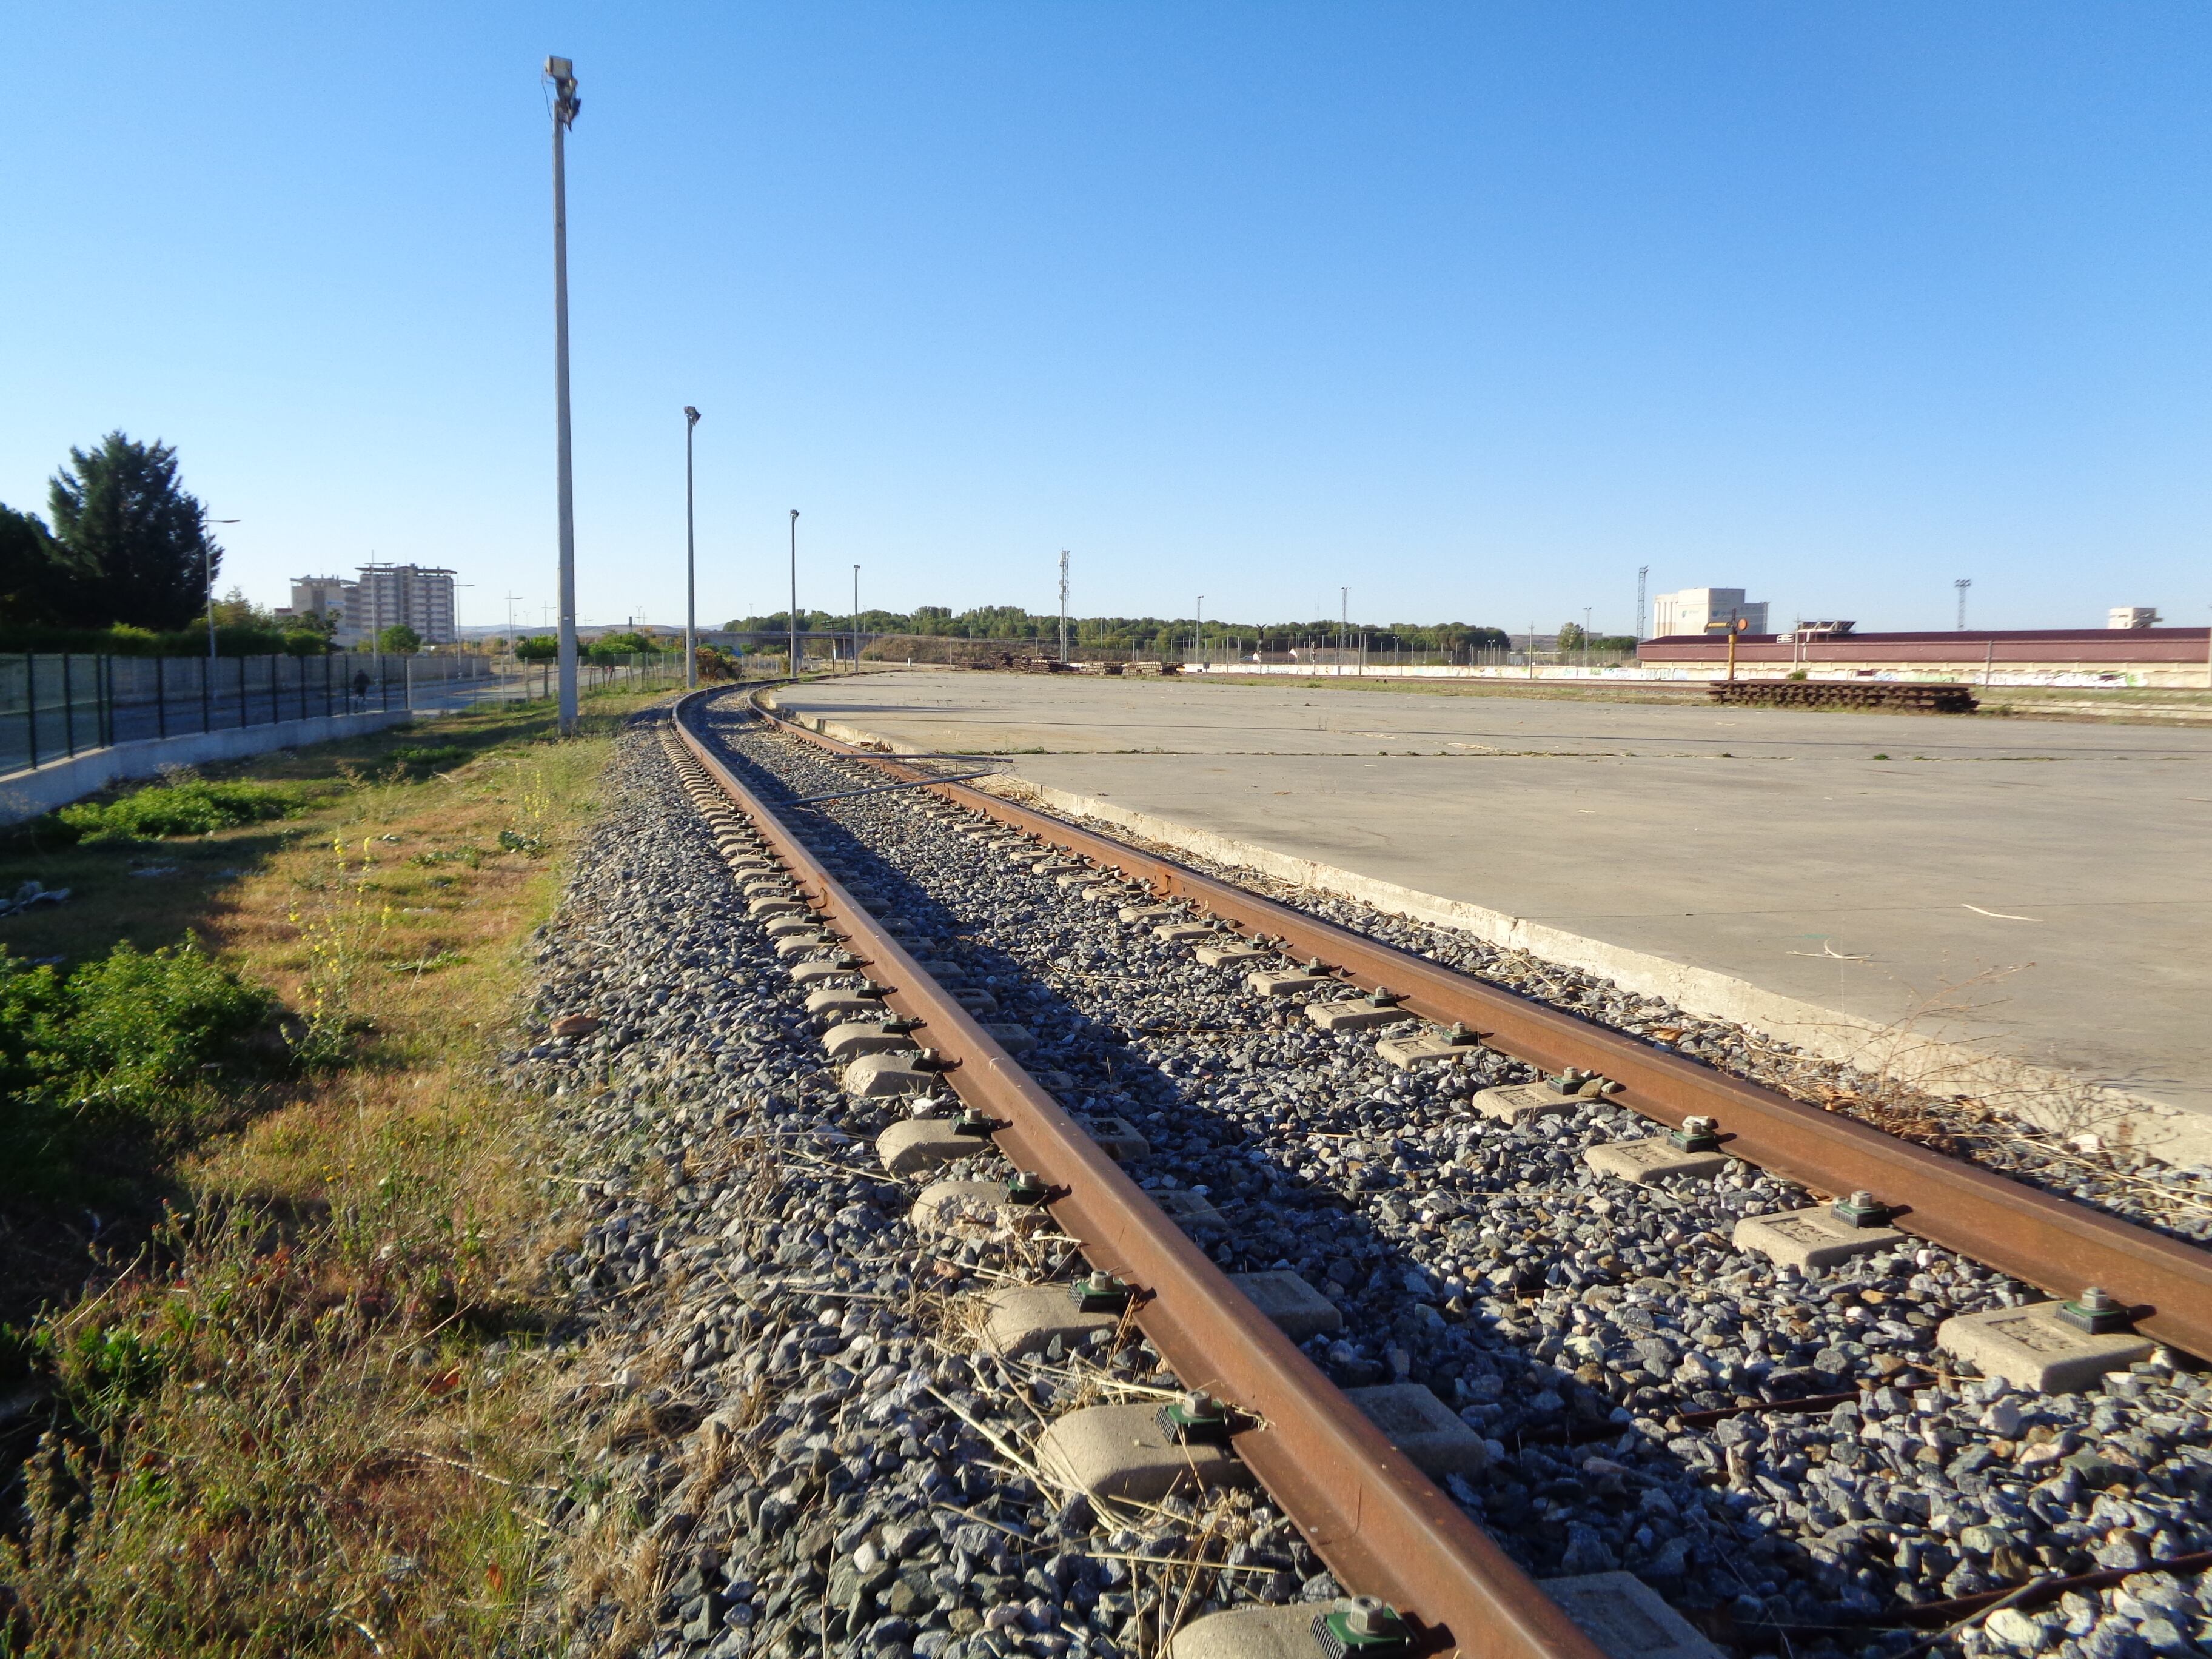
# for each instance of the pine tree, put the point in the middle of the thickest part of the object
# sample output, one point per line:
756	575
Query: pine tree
139	541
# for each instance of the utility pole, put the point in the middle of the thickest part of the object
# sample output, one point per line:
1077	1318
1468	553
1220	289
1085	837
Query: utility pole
566	105
1962	585
207	561
791	617
690	564
1642	571
1063	605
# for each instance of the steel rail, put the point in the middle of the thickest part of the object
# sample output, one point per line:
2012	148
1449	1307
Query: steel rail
2050	1241
1380	1526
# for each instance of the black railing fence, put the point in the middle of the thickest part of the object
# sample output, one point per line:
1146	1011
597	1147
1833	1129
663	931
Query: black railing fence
59	705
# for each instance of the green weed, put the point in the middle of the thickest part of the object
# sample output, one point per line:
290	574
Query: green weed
127	1047
190	806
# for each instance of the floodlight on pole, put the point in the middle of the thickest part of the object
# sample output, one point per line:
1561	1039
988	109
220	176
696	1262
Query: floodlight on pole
856	619
1063	605
690	564
562	72
791	617
1962	584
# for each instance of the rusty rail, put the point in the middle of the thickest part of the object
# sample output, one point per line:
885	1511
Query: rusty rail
1379	1524
2049	1242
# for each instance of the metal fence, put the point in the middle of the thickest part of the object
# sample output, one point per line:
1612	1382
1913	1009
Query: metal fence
54	706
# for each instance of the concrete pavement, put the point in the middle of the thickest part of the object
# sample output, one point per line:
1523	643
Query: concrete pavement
2037	892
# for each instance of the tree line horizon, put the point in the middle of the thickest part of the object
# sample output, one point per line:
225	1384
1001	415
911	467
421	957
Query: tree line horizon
1165	636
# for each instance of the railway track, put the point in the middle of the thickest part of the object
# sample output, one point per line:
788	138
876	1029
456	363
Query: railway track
1780	1502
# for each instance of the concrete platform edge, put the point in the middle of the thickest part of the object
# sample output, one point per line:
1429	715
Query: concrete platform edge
2033	1093
2174	1132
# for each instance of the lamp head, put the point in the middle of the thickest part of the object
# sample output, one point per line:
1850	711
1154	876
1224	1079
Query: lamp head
561	72
690	415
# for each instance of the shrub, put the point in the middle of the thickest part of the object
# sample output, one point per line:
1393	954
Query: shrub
121	1054
141	1022
192	806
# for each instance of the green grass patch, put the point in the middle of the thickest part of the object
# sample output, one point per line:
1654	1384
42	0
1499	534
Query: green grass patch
189	806
128	1052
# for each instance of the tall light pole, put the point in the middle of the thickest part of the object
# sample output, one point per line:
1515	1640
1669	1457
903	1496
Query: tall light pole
1343	626
566	105
1642	571
1063	605
1962	585
1198	637
791	617
856	619
207	565
690	564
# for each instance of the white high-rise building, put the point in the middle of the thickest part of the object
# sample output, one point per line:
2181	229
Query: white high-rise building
384	596
417	595
1689	611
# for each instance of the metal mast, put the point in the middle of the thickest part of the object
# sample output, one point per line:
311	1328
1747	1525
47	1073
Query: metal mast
690	564
566	104
792	617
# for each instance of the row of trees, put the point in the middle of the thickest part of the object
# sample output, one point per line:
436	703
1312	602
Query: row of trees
1573	638
1164	634
608	648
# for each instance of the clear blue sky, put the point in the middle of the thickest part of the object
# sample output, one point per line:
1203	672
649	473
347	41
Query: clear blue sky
1474	307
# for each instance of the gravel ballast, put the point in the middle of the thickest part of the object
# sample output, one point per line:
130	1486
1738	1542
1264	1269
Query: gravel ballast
823	1455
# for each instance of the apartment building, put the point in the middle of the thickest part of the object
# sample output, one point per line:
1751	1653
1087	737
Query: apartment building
381	596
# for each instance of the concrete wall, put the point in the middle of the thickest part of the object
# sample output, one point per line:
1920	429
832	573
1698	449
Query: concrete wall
2174	658
28	794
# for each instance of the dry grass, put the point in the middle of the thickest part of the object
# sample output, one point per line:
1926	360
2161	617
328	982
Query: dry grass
317	1413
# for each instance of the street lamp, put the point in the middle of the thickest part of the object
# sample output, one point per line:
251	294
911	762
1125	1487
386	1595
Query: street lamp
1063	605
1198	639
691	564
791	617
566	105
207	559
